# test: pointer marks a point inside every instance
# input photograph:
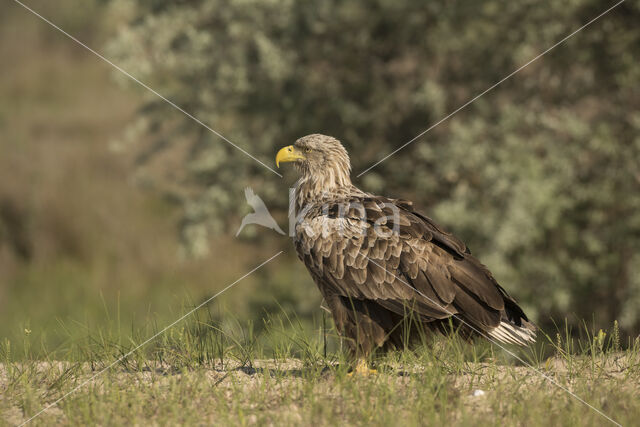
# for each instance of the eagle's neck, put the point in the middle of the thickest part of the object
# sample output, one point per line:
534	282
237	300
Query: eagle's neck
323	185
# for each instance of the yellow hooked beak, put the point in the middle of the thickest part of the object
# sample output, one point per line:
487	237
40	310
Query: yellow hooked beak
288	154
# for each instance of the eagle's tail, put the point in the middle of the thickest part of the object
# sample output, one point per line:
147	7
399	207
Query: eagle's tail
511	334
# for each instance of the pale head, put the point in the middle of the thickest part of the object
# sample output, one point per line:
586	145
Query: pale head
321	160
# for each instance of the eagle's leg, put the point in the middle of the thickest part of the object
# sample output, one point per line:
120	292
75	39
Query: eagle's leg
358	321
362	369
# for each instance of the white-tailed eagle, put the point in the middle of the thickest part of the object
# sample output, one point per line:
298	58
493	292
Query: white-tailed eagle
378	262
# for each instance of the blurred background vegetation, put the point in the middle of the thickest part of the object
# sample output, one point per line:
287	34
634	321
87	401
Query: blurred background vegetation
117	209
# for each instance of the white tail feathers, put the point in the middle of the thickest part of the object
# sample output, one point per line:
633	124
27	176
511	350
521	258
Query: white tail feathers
512	334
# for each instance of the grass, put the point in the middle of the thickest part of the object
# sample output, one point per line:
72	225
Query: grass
286	372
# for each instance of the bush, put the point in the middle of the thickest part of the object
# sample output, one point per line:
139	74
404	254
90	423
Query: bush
539	176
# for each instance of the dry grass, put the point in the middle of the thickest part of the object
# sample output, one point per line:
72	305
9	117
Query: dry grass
294	393
202	374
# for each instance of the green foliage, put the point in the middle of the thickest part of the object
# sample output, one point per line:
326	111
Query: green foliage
539	176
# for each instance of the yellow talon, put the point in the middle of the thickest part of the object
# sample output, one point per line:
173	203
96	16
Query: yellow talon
362	369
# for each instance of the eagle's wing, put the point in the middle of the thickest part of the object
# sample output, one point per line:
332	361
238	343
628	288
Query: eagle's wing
419	266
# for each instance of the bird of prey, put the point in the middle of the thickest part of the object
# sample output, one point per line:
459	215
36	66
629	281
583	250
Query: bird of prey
260	216
387	272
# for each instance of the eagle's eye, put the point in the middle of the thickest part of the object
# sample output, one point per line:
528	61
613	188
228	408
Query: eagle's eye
307	150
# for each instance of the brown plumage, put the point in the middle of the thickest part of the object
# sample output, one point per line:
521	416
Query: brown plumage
387	272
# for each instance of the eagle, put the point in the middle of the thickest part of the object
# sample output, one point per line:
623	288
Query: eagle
387	272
